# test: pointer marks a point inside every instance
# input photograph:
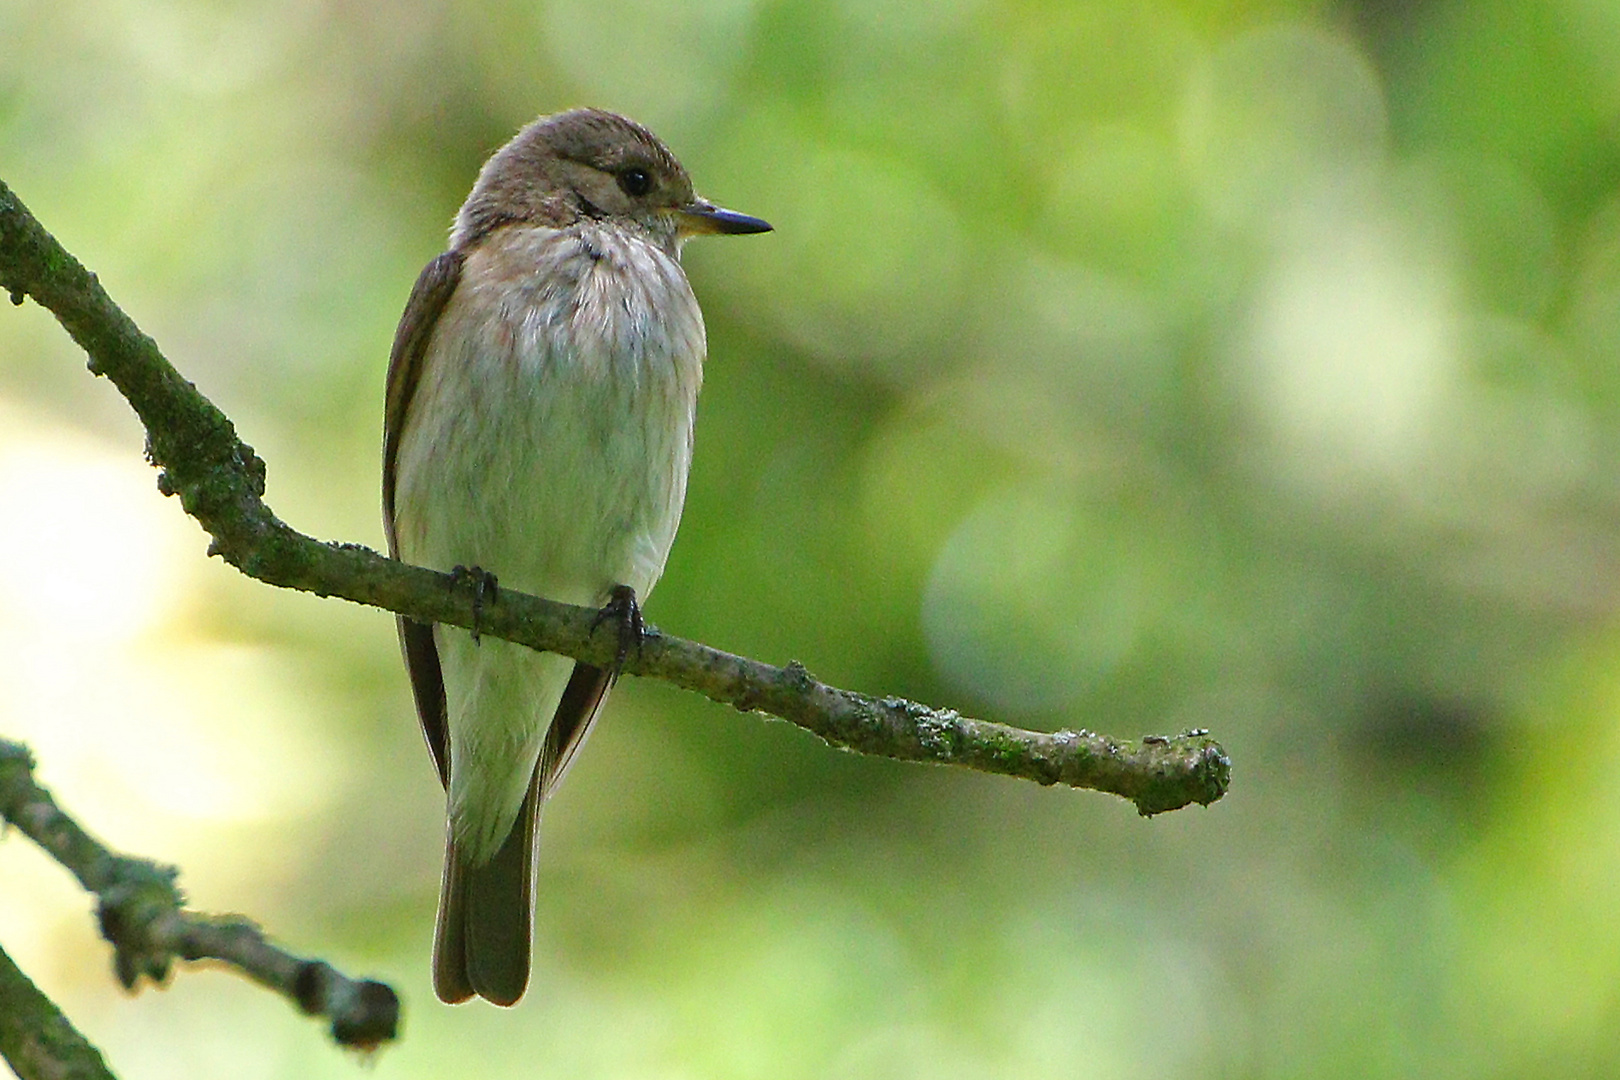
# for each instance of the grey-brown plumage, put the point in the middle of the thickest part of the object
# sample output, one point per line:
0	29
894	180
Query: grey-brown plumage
538	424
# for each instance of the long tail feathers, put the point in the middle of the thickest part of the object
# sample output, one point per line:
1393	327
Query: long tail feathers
486	913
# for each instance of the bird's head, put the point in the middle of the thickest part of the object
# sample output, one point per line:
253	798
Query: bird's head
587	164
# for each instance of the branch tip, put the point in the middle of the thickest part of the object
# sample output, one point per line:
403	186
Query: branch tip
140	910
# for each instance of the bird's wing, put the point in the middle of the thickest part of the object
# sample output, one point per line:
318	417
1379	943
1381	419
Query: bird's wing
433	290
581	701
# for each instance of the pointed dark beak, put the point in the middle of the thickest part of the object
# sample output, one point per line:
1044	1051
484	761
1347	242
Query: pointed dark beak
699	218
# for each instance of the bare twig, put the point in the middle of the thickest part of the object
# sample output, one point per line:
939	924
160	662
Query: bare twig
220	481
37	1041
142	915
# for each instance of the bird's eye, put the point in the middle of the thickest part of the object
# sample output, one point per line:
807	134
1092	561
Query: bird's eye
635	182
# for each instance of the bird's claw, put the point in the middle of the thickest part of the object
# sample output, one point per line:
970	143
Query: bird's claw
483	586
623	609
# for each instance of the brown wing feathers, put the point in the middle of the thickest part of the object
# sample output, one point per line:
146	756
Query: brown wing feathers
434	287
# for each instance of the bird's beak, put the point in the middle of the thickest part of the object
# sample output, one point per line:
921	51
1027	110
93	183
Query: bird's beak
701	217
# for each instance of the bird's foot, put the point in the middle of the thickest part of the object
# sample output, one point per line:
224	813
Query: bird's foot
483	586
623	609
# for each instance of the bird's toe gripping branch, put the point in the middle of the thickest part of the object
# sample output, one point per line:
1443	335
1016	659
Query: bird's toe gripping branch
485	589
623	609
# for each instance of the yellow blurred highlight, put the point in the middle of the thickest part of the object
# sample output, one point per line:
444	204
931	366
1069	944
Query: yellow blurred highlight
159	742
1354	345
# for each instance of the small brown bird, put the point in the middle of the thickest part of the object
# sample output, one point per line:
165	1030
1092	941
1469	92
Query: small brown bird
541	395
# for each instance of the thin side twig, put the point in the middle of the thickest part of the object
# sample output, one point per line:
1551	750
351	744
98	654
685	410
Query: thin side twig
142	915
220	481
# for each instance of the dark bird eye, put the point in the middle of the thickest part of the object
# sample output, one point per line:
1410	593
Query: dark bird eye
635	182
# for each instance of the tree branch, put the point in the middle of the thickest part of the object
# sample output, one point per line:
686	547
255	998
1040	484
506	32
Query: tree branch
142	915
37	1041
220	482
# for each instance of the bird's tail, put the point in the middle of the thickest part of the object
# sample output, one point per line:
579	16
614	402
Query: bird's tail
486	911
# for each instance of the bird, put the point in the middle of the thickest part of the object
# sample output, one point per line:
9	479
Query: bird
538	425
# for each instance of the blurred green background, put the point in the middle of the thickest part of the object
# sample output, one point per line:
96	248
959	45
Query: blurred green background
1241	364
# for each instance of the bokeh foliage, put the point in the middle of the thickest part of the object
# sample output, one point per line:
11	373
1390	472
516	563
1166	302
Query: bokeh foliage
1252	365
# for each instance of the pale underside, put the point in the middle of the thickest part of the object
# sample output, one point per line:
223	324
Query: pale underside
547	441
